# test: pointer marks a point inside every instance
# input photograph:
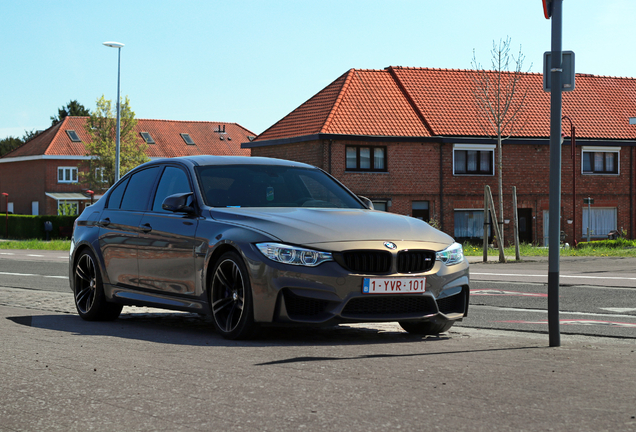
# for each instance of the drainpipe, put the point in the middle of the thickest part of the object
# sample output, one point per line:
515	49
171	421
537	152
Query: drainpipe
441	187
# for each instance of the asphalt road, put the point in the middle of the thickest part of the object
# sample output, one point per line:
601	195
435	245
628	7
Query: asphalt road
597	295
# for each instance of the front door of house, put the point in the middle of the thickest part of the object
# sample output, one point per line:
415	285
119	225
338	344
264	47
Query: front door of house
525	225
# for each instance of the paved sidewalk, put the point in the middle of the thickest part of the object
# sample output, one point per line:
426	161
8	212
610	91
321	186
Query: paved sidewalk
169	372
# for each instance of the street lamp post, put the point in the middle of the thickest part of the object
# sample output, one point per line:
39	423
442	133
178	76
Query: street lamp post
119	47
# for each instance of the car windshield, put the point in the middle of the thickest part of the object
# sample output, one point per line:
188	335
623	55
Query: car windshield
271	186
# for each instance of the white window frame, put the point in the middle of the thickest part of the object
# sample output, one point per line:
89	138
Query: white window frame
593	149
67	170
99	175
475	147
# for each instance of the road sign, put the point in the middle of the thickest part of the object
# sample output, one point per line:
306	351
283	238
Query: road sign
567	69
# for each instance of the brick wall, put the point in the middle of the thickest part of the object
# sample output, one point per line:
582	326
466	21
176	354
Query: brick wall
414	175
28	181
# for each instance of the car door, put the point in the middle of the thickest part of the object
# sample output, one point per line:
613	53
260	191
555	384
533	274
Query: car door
119	226
166	253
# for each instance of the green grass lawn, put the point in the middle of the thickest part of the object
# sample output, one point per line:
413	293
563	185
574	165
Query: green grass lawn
36	244
616	248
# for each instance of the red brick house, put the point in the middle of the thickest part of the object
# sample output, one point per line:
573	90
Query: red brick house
42	174
410	139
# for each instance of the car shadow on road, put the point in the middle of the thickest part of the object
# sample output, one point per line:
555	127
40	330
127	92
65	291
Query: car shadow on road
194	330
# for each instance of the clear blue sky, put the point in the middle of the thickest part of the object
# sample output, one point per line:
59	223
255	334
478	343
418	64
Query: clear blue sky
254	61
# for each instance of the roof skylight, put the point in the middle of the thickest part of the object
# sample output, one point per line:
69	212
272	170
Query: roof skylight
73	135
146	136
186	137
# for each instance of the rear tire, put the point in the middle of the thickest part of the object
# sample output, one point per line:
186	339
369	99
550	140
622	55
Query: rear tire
426	327
90	300
231	298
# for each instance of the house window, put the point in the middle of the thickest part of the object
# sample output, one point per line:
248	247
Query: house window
600	160
188	140
73	136
471	159
381	205
419	210
469	224
67	208
146	136
366	158
99	175
601	221
67	174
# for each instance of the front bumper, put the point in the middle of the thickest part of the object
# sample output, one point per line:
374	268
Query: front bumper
330	294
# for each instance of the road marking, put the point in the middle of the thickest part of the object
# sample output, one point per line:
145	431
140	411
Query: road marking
562	276
544	311
6	253
620	310
577	322
32	255
29	274
494	292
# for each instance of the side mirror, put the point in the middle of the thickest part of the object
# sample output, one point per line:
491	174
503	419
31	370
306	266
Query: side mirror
177	203
366	201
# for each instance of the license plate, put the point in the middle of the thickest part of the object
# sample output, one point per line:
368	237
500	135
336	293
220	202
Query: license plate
394	285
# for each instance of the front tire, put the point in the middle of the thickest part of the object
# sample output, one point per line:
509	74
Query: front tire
90	300
426	327
231	298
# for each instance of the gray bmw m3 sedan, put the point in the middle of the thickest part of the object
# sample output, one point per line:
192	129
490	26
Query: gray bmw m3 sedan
255	241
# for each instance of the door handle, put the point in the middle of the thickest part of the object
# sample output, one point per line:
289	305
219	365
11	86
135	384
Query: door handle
146	227
104	222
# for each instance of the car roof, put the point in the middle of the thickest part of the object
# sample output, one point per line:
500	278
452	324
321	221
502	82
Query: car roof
207	160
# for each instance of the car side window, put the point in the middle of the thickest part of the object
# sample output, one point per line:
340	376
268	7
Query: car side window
114	200
139	187
173	181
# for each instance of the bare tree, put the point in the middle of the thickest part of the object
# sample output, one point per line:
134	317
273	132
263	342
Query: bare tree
500	97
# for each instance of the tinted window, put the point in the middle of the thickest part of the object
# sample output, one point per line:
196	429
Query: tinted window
138	190
114	200
271	186
173	181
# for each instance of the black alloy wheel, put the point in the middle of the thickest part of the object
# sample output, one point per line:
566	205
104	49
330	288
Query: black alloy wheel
89	296
231	298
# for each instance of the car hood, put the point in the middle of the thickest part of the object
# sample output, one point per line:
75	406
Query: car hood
313	226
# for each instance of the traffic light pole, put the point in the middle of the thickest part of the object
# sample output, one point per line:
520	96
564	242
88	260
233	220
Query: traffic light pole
554	233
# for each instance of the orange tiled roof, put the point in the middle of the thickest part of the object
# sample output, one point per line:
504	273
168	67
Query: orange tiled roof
166	134
399	101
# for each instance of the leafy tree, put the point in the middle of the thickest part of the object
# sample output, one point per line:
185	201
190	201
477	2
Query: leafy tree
8	144
500	98
73	108
101	126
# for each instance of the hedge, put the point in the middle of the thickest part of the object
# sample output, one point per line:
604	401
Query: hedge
32	227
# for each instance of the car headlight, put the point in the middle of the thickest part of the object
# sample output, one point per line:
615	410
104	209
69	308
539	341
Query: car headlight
293	255
454	254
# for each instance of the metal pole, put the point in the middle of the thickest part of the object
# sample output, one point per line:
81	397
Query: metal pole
118	118
555	177
589	216
573	142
